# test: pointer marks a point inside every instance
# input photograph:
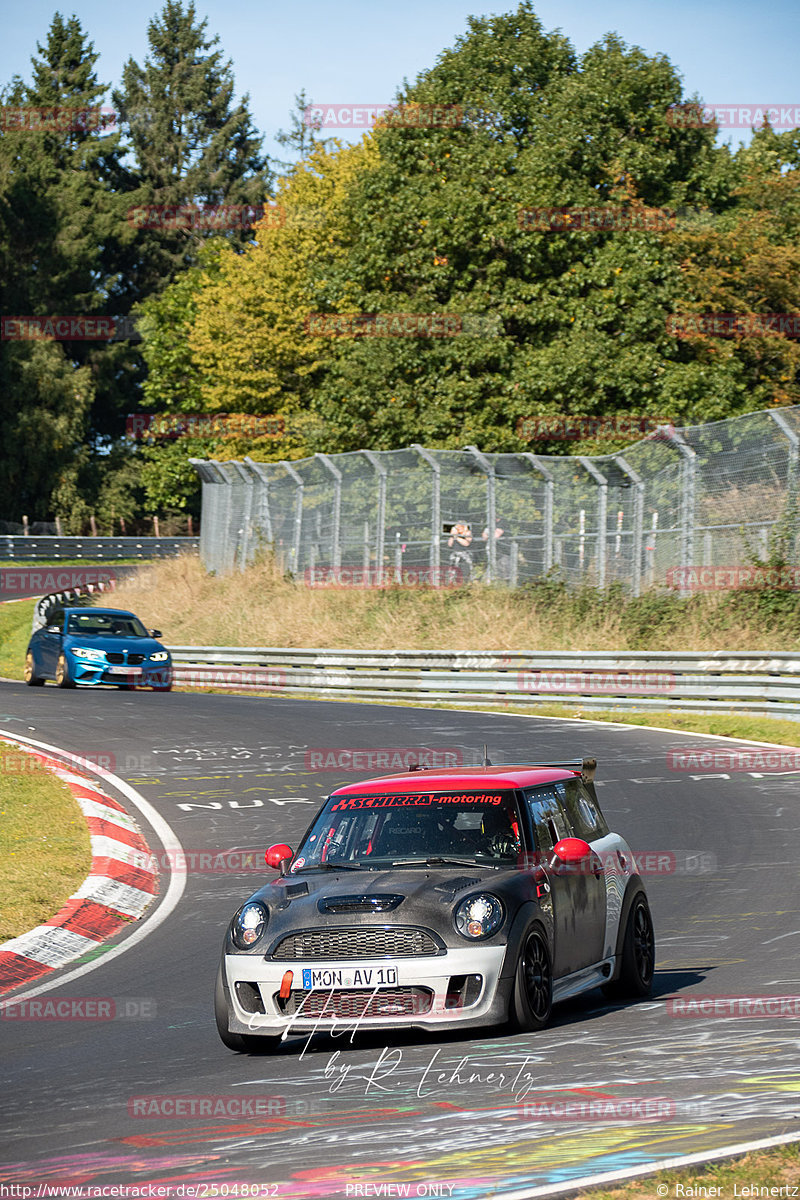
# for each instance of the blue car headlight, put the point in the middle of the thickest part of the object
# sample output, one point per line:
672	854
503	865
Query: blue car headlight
90	655
159	656
479	916
248	925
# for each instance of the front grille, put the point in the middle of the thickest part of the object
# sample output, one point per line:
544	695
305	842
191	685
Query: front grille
397	941
114	657
135	659
387	1002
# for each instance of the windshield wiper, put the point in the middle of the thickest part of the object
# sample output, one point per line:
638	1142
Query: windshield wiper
439	862
329	866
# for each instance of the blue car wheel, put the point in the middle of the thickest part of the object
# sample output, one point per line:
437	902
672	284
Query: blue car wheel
30	676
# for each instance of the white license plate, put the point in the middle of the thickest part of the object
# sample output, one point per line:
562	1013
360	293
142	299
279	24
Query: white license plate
348	977
124	670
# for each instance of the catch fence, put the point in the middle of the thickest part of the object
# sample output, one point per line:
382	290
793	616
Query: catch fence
682	498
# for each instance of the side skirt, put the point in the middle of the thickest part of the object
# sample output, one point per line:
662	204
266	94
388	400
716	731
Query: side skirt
583	980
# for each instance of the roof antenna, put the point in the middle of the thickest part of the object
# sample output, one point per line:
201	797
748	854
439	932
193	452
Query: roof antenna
487	762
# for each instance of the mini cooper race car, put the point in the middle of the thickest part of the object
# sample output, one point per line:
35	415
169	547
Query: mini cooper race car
83	645
439	900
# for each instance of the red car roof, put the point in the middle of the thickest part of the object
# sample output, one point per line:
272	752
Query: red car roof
457	777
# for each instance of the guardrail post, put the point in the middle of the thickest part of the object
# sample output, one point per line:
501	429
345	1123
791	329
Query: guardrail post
638	519
436	507
491	516
380	470
298	514
602	516
337	507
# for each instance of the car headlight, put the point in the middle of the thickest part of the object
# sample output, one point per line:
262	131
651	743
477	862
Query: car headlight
159	656
91	655
479	916
248	925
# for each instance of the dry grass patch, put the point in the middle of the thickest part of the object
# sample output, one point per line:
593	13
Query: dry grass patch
45	853
261	607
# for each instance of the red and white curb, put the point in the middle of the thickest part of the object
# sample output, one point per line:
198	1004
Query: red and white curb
122	882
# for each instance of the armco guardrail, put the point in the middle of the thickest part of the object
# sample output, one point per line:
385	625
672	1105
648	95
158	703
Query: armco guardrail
761	684
50	549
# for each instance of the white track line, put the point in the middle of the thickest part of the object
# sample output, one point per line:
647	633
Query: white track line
662	1164
169	841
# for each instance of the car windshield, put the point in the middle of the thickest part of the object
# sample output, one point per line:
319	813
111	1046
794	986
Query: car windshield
112	624
428	827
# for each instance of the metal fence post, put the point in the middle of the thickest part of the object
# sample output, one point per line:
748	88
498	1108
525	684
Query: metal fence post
337	507
549	487
436	506
298	514
491	517
688	476
602	517
380	471
263	479
242	551
638	520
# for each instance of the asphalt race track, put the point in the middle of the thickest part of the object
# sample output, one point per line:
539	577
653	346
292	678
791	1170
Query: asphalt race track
459	1116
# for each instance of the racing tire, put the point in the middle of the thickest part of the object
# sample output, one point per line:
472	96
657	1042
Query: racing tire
532	997
63	678
242	1043
638	955
29	673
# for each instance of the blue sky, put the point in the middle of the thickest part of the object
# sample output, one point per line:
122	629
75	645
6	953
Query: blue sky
359	51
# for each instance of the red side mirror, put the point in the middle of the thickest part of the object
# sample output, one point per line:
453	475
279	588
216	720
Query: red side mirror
575	856
279	856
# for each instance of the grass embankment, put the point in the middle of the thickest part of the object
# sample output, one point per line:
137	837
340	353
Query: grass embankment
260	607
742	1177
45	852
15	632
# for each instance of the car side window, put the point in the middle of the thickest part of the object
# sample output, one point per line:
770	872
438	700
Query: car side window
582	812
547	816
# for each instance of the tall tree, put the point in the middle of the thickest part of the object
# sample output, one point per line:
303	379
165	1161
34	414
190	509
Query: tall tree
191	143
57	216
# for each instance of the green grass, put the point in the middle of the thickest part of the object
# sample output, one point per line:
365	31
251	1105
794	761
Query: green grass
15	631
45	851
779	1168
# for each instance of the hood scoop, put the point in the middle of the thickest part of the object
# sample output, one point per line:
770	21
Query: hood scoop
456	885
385	902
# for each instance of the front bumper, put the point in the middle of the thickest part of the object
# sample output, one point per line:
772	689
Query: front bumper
156	675
426	982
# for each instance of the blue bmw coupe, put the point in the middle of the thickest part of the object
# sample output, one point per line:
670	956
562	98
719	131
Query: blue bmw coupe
97	646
